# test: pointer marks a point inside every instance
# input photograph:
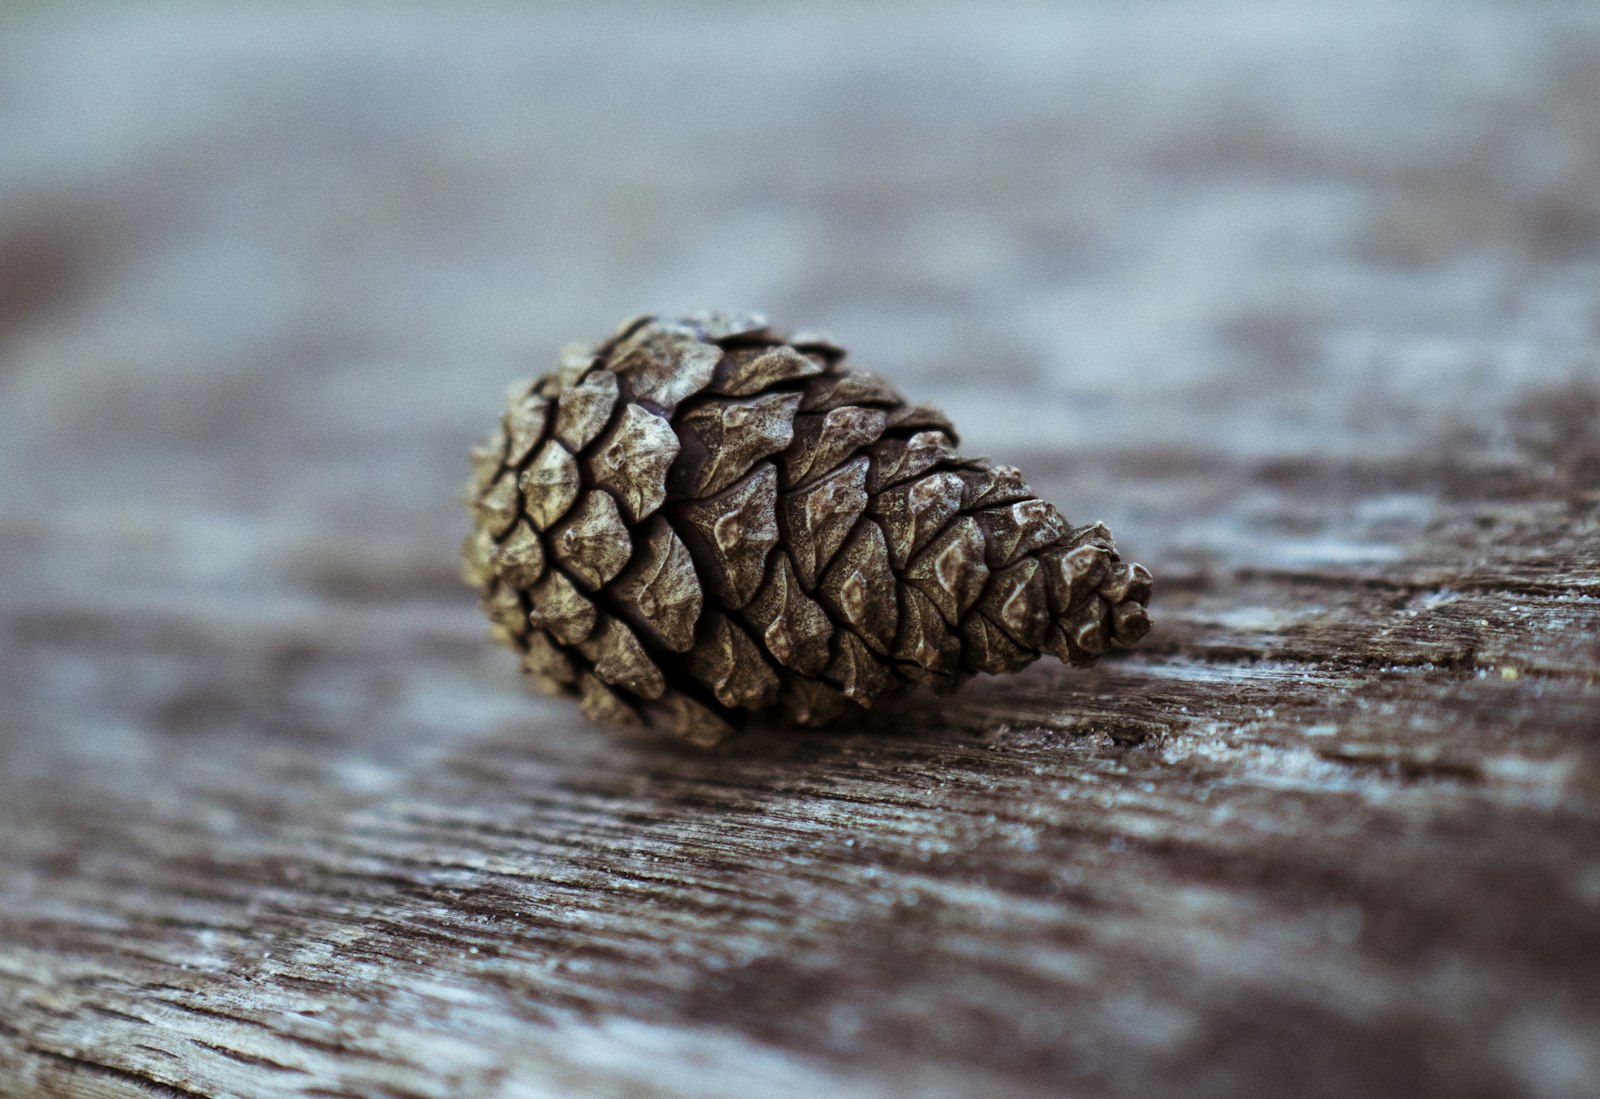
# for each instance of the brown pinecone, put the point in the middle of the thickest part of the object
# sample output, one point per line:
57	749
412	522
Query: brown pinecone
704	517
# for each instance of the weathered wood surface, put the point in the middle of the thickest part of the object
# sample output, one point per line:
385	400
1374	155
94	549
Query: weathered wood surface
1304	307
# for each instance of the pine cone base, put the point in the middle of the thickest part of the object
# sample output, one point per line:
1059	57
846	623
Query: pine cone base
704	519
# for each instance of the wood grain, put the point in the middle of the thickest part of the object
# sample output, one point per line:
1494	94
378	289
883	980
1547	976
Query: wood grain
1302	307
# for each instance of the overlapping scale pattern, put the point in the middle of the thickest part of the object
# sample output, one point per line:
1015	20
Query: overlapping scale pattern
703	518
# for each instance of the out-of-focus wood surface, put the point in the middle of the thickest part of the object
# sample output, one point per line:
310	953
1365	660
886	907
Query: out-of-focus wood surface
1305	306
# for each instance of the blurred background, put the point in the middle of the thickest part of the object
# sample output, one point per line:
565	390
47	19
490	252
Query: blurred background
265	270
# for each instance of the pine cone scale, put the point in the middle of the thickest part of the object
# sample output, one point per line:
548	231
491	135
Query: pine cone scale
818	519
732	532
659	590
583	411
633	459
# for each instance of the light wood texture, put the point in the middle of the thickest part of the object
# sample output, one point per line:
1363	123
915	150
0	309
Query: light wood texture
1302	305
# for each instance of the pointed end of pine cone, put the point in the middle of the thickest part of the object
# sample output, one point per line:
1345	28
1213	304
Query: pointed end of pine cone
1099	601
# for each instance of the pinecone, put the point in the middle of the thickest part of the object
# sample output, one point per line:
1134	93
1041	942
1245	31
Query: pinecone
703	518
